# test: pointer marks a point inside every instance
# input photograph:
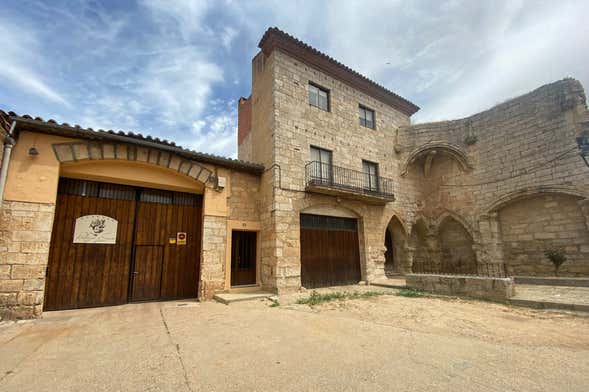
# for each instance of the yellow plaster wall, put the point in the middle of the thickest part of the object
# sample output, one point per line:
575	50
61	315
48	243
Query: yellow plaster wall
33	179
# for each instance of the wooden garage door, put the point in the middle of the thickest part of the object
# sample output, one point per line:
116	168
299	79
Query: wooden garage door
329	251
141	264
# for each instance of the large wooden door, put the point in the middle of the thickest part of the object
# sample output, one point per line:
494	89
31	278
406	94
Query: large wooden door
329	251
142	264
165	268
85	274
243	258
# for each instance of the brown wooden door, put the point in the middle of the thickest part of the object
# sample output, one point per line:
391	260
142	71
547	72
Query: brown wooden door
243	258
329	251
163	269
88	274
85	275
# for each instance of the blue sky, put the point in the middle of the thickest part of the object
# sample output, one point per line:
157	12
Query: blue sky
175	68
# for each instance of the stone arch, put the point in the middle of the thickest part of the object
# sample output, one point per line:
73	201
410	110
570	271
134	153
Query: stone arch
101	151
429	149
525	193
457	255
396	257
535	220
331	210
451	214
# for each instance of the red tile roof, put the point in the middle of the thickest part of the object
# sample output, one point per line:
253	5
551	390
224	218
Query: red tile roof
64	129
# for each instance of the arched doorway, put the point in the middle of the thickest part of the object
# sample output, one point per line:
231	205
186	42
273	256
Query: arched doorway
396	248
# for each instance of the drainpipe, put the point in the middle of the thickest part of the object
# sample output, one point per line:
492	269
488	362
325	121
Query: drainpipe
8	144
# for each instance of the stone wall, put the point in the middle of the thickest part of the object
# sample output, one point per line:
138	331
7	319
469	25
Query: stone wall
532	225
212	264
474	167
243	202
25	234
495	289
457	254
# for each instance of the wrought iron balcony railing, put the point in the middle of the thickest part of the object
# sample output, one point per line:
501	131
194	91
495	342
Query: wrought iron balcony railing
323	175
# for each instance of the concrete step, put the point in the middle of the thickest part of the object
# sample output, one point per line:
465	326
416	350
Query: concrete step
552	281
227	298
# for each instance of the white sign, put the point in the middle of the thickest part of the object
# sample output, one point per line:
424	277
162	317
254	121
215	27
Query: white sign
95	229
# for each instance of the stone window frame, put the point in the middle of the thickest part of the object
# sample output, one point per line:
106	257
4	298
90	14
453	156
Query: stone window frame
364	109
319	89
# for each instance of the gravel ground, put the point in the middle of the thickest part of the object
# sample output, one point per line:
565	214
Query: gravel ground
382	343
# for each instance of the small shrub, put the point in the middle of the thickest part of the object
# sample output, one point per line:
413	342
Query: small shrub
410	293
557	257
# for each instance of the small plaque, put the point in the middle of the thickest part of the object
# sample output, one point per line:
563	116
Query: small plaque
181	238
95	229
172	240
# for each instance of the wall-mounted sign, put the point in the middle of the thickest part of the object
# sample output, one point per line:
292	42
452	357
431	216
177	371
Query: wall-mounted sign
95	229
171	240
181	238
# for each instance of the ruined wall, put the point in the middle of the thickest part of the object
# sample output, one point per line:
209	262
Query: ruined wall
530	226
475	166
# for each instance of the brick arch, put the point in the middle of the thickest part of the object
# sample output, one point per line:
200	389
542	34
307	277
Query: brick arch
452	150
99	151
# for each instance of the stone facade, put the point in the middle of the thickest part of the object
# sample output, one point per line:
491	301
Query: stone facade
25	230
455	181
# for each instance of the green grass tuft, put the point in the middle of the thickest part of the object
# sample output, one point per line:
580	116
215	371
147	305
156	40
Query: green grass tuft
274	303
410	293
316	298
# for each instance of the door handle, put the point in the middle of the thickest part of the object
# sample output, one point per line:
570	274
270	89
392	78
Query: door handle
135	273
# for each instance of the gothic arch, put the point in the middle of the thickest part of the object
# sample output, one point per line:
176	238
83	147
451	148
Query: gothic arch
502	201
451	214
431	148
101	151
396	246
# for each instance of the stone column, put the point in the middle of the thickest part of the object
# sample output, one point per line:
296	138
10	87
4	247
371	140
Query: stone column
488	247
25	235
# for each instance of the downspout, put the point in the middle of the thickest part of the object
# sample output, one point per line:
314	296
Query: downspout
8	144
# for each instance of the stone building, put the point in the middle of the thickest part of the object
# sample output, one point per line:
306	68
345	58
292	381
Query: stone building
466	196
333	185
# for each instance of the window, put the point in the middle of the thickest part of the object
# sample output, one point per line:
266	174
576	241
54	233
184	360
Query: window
318	97
370	170
320	164
366	117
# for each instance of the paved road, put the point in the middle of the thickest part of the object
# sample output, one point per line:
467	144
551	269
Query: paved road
183	346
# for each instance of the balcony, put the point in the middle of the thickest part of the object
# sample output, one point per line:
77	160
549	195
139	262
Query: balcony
347	183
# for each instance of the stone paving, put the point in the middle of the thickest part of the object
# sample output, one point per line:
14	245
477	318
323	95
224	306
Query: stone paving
559	294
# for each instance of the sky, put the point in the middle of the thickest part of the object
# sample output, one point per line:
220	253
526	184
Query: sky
176	68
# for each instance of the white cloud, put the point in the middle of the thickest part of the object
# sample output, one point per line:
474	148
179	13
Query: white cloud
18	60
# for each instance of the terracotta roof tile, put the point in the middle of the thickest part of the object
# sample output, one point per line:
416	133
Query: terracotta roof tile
52	126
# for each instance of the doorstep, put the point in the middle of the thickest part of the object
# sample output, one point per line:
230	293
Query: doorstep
230	297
